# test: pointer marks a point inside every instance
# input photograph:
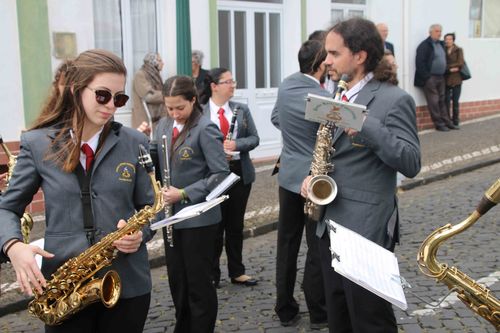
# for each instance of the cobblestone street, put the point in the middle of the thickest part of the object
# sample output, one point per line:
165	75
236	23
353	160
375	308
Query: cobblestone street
423	209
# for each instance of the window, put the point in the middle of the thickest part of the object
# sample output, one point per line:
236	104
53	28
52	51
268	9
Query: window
126	28
250	46
483	19
346	9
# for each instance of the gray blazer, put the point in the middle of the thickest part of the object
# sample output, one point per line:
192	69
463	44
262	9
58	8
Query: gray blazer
299	134
247	139
197	164
366	176
119	186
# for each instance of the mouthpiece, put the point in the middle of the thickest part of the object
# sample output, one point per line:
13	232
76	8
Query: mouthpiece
341	86
145	159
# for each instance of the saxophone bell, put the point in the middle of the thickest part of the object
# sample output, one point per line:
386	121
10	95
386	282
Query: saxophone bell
322	190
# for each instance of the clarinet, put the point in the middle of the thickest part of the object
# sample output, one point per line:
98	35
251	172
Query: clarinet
166	182
229	135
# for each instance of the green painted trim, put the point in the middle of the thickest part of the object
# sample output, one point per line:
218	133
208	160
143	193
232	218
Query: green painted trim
183	38
214	33
34	47
303	19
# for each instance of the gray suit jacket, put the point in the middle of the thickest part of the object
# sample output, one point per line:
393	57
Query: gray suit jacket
197	164
366	176
247	140
299	134
119	186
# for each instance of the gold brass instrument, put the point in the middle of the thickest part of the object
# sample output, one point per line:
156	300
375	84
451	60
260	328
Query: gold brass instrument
73	286
26	219
322	188
477	297
166	183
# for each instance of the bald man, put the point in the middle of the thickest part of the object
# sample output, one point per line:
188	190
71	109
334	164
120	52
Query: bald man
383	30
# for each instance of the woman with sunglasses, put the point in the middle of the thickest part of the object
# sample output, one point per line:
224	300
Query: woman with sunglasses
197	165
244	138
75	140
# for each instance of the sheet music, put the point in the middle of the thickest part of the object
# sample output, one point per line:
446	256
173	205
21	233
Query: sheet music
344	114
223	186
366	264
189	212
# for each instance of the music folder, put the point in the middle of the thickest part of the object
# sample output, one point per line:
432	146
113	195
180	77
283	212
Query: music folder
344	114
366	264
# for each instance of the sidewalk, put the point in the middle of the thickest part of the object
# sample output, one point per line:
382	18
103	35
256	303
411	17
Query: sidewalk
444	154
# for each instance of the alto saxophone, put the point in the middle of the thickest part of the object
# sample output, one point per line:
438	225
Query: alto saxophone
73	286
322	188
26	219
166	183
477	297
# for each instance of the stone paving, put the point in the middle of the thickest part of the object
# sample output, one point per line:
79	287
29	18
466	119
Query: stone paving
423	209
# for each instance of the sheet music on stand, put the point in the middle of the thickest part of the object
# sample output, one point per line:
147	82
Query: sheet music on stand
366	264
213	199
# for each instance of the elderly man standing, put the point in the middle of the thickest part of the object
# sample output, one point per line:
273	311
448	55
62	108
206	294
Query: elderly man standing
383	30
429	74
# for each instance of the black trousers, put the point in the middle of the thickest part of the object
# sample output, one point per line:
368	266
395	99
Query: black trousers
290	229
230	231
452	95
352	308
128	315
190	276
434	91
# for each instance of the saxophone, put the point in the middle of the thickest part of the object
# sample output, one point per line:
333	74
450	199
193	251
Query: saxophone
26	219
73	286
322	188
477	297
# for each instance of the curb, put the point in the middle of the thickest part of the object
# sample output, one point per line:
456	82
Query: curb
271	226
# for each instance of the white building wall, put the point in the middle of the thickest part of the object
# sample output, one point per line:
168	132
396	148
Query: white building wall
74	16
11	85
200	29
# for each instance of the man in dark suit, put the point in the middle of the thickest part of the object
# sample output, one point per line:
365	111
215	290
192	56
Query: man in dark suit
430	67
365	173
299	137
383	30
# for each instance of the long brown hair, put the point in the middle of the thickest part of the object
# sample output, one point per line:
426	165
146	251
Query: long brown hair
185	87
65	110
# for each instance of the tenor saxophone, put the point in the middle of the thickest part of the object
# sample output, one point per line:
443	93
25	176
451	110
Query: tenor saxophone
475	296
322	188
26	219
74	285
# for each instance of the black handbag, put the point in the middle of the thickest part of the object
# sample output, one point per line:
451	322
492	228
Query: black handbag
465	72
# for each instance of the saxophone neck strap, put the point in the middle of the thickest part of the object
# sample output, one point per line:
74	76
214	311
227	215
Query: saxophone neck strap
88	218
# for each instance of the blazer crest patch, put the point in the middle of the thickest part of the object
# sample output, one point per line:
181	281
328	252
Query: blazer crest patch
125	171
186	153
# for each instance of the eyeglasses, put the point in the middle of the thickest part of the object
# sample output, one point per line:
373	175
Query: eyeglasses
103	97
231	82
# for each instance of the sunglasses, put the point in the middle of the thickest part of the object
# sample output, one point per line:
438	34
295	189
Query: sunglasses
103	97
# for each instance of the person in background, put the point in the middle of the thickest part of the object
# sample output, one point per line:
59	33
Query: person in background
198	73
299	138
366	201
197	165
75	138
454	61
147	87
383	30
220	88
430	67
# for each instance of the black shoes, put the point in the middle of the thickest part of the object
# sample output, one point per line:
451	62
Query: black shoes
250	282
453	127
319	326
291	322
442	129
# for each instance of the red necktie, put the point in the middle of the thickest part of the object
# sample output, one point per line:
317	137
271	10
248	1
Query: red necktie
175	135
344	98
89	156
224	124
